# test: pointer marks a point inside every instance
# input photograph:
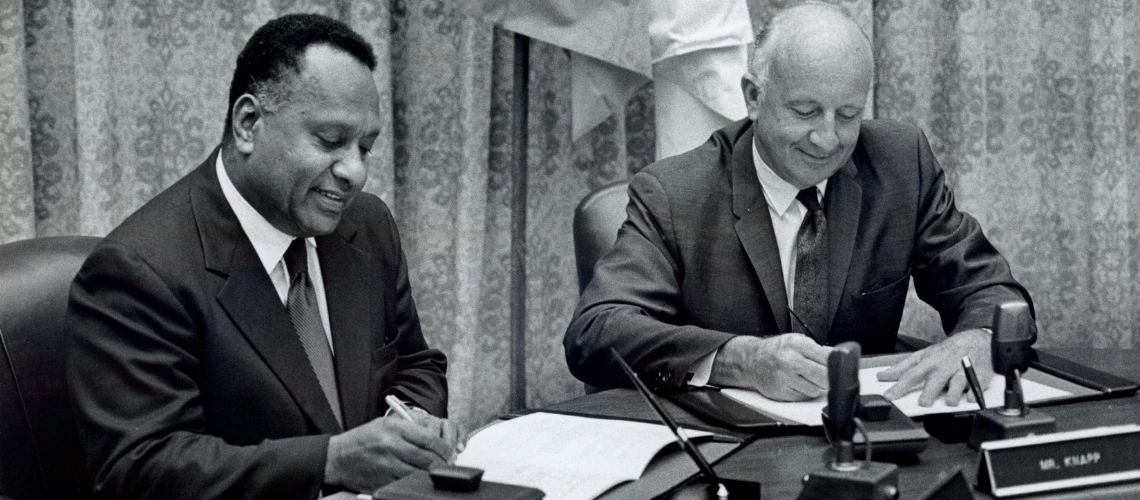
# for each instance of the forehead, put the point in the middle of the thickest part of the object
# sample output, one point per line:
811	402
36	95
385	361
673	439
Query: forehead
332	80
827	66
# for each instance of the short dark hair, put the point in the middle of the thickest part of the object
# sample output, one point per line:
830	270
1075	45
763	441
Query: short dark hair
274	53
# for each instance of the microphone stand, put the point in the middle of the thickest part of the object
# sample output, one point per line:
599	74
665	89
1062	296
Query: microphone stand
845	478
1011	351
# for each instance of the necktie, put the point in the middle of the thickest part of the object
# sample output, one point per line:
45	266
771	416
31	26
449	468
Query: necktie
811	268
306	320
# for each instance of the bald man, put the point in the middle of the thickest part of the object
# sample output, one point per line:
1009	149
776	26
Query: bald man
742	261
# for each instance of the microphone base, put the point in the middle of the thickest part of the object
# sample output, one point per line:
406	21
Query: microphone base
991	424
873	480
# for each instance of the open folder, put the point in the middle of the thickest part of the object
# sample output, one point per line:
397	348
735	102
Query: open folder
567	457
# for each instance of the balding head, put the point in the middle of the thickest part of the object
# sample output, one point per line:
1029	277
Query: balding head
808	31
805	92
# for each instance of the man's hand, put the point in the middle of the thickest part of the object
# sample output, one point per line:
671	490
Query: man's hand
939	367
383	450
788	367
452	433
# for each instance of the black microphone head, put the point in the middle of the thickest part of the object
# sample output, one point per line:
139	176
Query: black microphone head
1013	337
843	388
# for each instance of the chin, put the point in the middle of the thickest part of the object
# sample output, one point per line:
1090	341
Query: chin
318	226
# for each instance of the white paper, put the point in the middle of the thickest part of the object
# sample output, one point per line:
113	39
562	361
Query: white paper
567	457
811	412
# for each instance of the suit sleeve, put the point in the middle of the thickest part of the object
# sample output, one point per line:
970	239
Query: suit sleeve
956	268
421	370
633	303
133	359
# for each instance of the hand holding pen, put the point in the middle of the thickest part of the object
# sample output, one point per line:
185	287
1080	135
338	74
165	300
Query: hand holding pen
446	429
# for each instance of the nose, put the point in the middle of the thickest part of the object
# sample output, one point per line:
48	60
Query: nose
824	136
351	171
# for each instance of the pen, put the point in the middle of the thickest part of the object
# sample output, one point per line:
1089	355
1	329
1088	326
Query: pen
972	378
801	322
398	406
679	433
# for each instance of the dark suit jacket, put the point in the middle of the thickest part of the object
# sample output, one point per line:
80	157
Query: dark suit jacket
187	378
696	261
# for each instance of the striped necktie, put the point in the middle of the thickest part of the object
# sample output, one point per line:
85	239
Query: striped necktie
306	318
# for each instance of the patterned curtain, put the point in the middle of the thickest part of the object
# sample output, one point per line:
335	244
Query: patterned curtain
104	104
1031	106
1033	109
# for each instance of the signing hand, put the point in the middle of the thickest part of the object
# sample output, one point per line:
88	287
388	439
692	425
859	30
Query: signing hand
938	368
383	450
788	367
451	432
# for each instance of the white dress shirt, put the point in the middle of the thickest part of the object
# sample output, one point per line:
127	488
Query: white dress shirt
787	215
270	244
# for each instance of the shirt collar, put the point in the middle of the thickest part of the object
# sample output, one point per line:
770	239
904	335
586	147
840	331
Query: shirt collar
779	194
269	242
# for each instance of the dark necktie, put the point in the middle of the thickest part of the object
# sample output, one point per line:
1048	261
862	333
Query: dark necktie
811	268
306	318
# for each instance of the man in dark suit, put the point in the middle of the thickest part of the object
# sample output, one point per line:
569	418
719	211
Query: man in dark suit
237	335
798	228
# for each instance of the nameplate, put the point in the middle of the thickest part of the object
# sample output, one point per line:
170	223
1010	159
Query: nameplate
1060	460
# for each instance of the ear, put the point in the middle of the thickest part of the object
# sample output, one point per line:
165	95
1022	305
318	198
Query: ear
752	95
247	117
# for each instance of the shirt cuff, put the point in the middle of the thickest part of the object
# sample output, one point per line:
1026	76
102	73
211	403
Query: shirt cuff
702	370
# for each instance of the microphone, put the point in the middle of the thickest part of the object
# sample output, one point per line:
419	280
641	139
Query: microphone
844	478
843	400
1011	350
1012	340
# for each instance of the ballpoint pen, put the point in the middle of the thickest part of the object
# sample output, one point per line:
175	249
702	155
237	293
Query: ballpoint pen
679	433
972	378
398	406
801	322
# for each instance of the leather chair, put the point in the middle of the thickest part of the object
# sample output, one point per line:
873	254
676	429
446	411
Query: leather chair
596	223
40	454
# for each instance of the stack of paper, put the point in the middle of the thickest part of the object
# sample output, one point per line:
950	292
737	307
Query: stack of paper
567	457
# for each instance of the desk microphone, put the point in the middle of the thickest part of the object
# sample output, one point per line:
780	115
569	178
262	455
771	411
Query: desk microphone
1011	351
842	401
844	478
678	432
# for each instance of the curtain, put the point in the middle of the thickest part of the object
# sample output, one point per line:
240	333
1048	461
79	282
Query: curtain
1033	109
104	104
1031	106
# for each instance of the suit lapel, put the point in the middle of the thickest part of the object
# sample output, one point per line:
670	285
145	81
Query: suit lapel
754	228
249	299
345	270
844	203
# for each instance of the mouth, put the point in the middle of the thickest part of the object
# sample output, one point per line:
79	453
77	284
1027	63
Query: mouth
333	200
332	195
814	158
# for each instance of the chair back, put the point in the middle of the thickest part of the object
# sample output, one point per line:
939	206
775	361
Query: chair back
40	454
596	223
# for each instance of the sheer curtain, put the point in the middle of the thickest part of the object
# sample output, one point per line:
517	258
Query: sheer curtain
104	104
1031	106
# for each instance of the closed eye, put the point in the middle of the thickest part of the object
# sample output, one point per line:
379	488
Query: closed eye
804	112
329	143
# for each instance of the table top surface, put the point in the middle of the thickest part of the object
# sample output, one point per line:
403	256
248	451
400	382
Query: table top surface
780	462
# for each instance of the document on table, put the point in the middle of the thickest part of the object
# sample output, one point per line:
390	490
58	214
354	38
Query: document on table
811	412
567	457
